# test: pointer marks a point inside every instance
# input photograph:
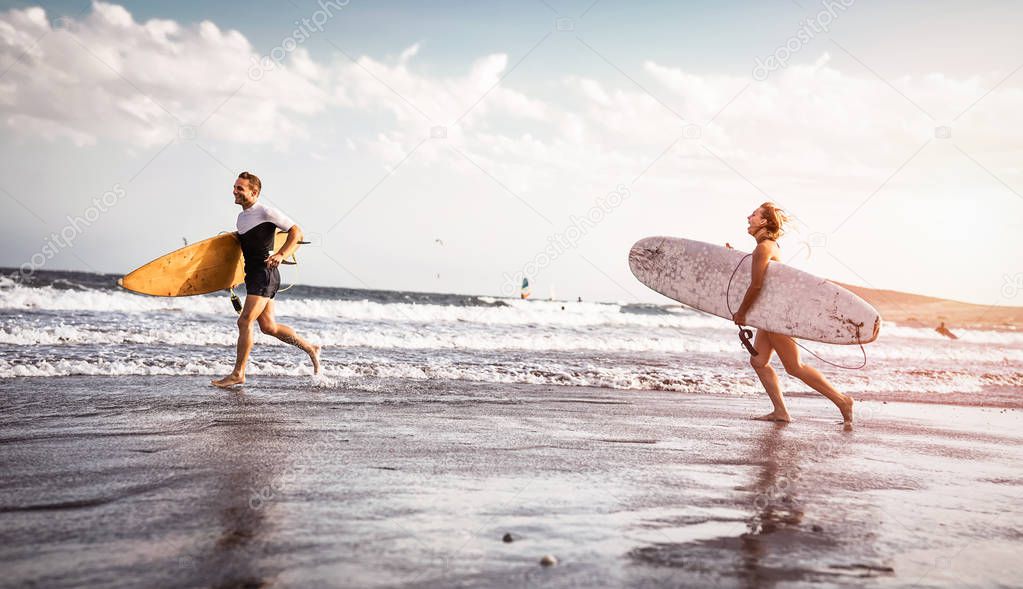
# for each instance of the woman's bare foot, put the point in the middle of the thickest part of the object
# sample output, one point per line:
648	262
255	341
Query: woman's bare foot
229	381
315	357
774	416
846	407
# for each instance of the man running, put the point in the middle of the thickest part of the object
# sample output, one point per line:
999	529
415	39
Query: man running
257	225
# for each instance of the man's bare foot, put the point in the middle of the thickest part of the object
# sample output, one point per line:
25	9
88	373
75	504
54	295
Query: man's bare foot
315	357
228	381
774	416
846	407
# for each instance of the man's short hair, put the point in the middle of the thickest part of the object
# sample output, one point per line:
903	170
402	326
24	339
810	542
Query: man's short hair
253	179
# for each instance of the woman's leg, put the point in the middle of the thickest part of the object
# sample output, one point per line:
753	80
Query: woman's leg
286	334
768	377
788	351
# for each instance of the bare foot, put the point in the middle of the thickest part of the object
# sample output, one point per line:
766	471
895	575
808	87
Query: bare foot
228	381
846	407
774	416
315	357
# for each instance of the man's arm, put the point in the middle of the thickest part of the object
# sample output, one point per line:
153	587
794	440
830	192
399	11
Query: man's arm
290	246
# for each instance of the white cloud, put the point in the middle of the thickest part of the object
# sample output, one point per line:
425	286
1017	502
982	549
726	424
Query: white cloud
372	85
49	130
107	76
409	53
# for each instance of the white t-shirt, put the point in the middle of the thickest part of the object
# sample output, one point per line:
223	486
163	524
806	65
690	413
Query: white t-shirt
260	213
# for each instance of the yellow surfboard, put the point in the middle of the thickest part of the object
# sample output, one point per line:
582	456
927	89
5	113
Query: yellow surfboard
205	266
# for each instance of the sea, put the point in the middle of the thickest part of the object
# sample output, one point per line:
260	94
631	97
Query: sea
57	324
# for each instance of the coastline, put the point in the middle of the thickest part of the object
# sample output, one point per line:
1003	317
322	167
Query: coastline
913	310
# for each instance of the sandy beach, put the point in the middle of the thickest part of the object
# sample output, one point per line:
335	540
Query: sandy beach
924	311
163	481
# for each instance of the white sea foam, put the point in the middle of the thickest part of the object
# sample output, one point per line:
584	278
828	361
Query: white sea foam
373	335
978	336
734	381
55	332
385	335
513	312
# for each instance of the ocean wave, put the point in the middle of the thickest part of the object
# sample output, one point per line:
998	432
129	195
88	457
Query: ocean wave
512	312
728	380
977	336
70	330
541	315
371	335
543	340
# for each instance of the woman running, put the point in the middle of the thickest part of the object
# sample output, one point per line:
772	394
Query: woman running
765	225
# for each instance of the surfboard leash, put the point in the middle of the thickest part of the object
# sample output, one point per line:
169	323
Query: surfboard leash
235	301
293	262
746	334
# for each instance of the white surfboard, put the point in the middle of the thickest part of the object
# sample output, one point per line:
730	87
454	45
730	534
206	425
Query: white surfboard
792	302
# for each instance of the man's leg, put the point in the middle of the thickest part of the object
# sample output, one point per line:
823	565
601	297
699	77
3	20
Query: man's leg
287	335
254	306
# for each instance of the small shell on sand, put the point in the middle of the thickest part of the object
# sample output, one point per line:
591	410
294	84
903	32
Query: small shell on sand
548	560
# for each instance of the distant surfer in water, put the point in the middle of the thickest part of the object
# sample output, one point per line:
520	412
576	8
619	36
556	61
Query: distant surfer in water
945	331
765	225
257	224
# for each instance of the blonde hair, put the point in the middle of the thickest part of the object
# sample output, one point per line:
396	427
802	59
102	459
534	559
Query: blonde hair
776	219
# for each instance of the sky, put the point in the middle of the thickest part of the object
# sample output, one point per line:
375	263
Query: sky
457	146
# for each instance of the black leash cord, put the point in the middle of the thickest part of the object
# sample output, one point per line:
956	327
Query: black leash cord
745	333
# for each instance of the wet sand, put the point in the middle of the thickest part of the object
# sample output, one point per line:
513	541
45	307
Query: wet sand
157	481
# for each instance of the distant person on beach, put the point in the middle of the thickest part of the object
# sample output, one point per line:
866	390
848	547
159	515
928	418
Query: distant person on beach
765	225
257	225
945	331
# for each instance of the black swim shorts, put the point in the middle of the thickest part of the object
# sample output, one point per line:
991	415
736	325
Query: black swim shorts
262	282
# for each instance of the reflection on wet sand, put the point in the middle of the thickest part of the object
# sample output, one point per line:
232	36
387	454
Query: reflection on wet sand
776	545
751	555
776	505
779	547
244	454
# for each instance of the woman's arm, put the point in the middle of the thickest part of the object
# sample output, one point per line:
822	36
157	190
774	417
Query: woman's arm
761	257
